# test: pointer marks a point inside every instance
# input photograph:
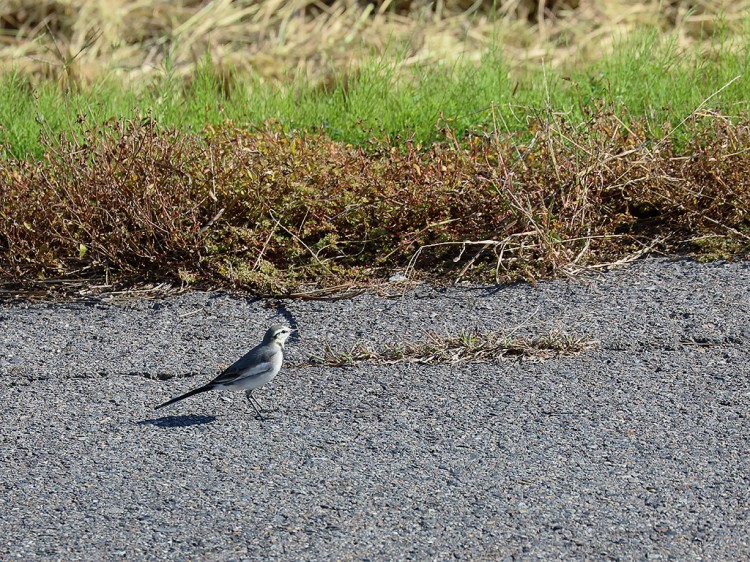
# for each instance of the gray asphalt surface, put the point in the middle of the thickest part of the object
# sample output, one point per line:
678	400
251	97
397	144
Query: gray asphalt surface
638	449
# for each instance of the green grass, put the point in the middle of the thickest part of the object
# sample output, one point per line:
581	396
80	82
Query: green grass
647	76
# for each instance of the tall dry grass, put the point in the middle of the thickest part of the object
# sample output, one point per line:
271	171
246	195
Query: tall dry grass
79	41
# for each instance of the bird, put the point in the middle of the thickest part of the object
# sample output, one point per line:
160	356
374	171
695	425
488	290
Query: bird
256	368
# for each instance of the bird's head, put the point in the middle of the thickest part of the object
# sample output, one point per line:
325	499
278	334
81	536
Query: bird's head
278	333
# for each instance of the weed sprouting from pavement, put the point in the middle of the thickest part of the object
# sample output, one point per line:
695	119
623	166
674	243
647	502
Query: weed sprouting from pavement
465	346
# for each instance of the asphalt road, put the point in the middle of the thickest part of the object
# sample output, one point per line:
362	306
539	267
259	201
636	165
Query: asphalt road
638	449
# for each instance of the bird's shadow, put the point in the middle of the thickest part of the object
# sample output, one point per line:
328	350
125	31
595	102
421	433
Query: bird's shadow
179	421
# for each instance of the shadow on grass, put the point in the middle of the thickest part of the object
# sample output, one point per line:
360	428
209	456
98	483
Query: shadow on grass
179	421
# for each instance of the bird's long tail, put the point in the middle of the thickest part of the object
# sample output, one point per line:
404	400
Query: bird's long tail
186	395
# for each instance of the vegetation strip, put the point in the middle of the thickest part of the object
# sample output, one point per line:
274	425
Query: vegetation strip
275	211
464	347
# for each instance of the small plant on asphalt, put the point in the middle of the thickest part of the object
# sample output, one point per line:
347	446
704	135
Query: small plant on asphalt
466	346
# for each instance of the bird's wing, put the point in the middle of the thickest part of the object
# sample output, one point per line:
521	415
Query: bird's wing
249	365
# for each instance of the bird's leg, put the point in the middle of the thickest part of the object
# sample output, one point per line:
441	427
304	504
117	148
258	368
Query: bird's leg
260	406
254	404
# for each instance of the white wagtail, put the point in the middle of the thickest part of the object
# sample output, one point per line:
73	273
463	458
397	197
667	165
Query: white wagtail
257	367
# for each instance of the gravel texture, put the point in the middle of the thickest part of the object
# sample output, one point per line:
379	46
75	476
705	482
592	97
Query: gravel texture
638	449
